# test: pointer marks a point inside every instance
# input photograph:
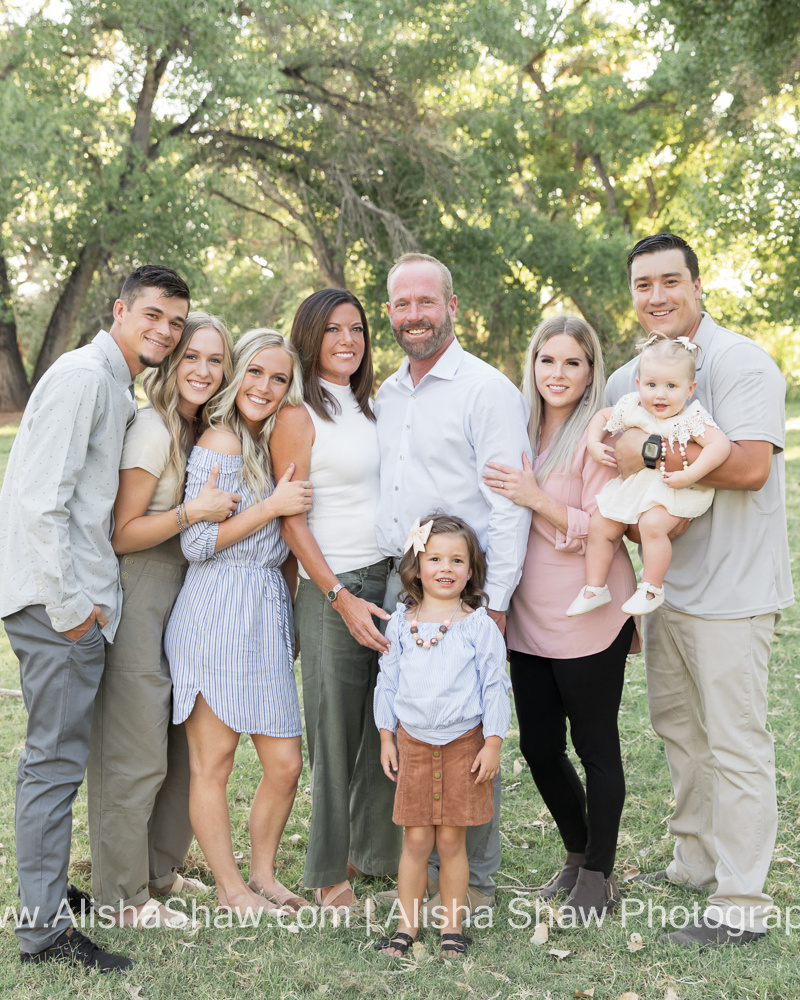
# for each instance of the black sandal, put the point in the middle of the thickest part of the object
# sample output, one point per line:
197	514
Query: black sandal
400	941
455	943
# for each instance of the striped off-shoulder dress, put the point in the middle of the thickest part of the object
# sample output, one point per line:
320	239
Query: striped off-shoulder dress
230	636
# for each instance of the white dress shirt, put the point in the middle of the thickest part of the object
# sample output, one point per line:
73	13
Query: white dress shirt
435	440
60	486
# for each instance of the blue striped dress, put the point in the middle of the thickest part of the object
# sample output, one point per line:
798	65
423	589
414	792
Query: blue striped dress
230	636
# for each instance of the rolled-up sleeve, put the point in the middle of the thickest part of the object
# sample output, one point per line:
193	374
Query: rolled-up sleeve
56	457
589	477
499	426
199	540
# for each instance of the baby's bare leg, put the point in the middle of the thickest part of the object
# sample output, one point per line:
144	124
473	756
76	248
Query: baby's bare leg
600	548
654	527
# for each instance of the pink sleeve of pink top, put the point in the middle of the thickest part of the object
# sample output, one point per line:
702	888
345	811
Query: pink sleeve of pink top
587	479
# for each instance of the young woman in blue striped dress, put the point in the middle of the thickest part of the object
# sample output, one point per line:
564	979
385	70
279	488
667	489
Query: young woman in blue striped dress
230	638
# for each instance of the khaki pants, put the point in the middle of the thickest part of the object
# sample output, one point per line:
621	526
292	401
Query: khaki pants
707	691
138	772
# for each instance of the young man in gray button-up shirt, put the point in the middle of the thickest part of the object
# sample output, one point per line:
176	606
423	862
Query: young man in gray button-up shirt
59	586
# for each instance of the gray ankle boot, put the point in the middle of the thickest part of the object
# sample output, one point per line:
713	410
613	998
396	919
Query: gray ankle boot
593	894
566	878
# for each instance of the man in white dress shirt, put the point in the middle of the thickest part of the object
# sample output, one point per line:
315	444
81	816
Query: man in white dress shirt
707	647
441	417
59	587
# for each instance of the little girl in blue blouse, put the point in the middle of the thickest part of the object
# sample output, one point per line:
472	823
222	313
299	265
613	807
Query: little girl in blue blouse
443	689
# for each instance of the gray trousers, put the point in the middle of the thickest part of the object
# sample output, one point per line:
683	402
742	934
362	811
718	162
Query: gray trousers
483	842
351	797
59	680
138	775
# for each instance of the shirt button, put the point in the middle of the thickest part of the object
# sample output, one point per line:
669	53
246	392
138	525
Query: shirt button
413	395
436	753
395	521
129	562
437	797
124	576
437	775
396	488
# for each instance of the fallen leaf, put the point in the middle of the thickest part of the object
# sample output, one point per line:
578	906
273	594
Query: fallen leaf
635	942
134	992
238	855
629	996
322	990
294	840
584	993
541	934
559	954
670	994
629	873
785	861
292	928
419	950
517	767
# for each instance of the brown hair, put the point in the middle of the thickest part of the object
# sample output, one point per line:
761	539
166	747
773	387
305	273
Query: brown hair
473	594
308	331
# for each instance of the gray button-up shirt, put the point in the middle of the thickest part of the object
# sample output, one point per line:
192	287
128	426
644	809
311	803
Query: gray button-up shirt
60	486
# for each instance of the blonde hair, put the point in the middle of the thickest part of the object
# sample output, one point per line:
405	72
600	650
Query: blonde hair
161	387
256	469
660	347
422	258
562	447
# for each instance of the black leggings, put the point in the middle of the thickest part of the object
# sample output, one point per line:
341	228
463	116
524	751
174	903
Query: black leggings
586	690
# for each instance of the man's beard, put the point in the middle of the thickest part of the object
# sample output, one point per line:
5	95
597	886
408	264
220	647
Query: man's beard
149	363
419	350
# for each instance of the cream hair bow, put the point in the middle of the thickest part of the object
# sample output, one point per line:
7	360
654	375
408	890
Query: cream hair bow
692	348
418	536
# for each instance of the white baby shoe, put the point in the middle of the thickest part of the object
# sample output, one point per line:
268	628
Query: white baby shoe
595	597
640	603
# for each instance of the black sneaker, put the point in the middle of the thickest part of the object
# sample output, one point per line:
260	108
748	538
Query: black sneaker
72	946
80	902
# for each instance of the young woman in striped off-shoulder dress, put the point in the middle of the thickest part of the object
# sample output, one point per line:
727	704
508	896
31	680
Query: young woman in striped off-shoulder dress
230	638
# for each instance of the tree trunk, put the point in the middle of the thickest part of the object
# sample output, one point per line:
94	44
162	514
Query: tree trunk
13	380
70	302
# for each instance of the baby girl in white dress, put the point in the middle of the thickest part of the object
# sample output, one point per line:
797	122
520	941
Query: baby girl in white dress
653	498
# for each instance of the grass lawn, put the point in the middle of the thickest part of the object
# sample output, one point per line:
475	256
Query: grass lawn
334	962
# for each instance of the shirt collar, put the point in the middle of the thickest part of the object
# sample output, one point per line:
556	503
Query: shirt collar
116	359
703	336
445	368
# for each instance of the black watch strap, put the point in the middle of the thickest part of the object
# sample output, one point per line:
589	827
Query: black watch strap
651	449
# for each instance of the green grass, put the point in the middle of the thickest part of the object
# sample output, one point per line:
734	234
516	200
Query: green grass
339	961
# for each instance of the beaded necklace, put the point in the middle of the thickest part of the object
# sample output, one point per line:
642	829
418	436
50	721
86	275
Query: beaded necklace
435	640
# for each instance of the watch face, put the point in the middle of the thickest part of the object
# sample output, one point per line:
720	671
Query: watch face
650	449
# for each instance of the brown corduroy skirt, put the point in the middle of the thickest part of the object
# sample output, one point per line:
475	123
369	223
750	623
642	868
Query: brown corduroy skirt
435	786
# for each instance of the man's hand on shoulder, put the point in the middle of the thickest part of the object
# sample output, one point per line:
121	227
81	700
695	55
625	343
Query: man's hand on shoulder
80	631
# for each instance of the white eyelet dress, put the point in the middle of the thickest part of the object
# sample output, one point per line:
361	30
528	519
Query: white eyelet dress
624	500
230	636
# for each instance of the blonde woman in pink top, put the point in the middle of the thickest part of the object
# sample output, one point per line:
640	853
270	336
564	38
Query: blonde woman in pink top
562	669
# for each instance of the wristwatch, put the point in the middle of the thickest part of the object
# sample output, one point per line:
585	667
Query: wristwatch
651	449
331	595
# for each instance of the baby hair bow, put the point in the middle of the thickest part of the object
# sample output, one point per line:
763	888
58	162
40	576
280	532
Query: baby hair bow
692	348
418	536
640	346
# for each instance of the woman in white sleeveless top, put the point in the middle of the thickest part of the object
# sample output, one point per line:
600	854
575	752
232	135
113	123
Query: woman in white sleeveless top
333	441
